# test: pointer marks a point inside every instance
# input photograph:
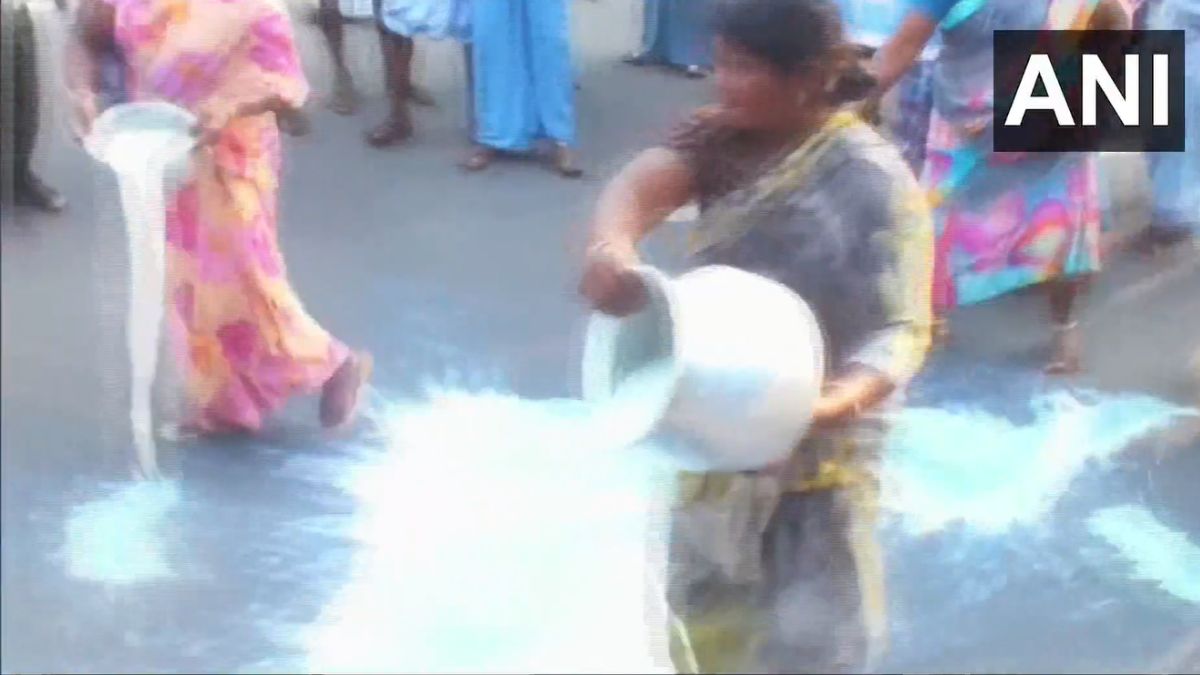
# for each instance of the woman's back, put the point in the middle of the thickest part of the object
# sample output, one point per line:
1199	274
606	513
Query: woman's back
963	75
190	52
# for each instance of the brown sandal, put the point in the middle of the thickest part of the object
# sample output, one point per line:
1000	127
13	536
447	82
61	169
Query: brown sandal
391	131
421	96
637	59
295	123
479	159
344	100
342	395
564	162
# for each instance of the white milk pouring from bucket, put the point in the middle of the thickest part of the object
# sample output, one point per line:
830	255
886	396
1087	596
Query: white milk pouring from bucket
726	362
144	144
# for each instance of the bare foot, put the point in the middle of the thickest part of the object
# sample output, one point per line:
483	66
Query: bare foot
1066	356
342	393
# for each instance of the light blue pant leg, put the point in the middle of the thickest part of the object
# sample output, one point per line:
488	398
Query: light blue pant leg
653	16
1175	177
505	111
550	60
688	35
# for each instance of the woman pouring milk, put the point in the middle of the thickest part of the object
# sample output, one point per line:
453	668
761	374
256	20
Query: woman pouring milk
245	338
794	188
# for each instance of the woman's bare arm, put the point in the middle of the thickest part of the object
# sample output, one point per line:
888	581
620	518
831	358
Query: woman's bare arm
1110	15
91	35
645	192
898	55
642	195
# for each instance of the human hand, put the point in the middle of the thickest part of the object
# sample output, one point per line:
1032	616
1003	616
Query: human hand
844	399
714	114
977	126
610	282
209	126
83	114
869	109
832	407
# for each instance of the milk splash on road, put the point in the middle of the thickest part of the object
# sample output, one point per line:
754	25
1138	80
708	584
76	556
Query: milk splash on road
502	534
493	534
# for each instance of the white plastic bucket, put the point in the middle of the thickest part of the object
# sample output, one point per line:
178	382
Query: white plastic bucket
172	147
739	360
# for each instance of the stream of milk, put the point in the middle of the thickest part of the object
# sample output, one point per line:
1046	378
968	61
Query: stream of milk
139	157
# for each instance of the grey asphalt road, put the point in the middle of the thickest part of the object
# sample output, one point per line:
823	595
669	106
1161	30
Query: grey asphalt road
470	279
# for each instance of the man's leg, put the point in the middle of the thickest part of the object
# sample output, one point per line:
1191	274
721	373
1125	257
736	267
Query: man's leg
345	97
28	189
553	88
397	63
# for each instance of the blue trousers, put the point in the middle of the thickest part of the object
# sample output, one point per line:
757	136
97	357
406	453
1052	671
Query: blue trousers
678	32
524	89
1175	176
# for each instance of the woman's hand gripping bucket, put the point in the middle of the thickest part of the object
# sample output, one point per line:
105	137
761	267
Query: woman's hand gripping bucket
724	365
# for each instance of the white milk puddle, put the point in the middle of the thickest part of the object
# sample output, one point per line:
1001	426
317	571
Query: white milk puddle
501	534
1155	552
494	534
120	539
944	465
139	157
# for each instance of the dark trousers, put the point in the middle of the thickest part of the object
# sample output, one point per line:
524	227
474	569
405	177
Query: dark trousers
19	99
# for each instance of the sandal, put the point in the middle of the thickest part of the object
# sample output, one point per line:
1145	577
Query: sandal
940	332
295	123
32	192
564	162
345	97
636	59
480	159
1155	241
421	96
393	130
1066	348
342	394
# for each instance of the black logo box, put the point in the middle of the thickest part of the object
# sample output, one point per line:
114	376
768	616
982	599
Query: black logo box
1040	130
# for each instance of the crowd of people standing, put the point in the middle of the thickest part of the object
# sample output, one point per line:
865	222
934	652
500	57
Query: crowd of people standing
520	87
